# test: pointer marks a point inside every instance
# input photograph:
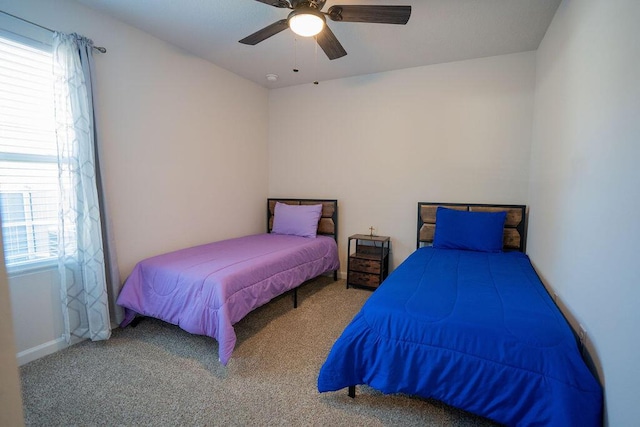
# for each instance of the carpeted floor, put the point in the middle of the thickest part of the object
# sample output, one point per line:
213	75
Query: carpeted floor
156	374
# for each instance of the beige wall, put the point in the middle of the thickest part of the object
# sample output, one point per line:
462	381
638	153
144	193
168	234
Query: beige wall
10	397
185	151
456	132
583	228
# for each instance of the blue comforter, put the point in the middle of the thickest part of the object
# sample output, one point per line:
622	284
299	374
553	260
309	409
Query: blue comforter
475	330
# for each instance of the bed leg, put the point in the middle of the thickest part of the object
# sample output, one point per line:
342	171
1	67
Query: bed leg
352	391
335	275
295	297
135	321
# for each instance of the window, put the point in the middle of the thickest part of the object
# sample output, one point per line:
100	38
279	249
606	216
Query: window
29	194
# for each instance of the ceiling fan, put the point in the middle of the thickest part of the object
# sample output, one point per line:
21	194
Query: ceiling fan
308	20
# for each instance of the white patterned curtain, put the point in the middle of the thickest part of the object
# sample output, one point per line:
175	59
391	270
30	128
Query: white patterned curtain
85	302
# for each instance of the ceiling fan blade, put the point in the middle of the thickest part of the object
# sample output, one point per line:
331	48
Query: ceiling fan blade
373	14
266	32
276	3
330	44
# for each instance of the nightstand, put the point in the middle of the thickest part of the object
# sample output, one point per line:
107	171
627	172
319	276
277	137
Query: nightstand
368	261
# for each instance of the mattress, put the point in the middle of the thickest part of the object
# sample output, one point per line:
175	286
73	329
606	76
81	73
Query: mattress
207	289
475	330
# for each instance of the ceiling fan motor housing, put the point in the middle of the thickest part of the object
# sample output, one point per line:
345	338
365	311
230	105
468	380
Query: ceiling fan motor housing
315	4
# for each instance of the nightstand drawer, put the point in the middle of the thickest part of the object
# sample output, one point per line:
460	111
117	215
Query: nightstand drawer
365	265
364	279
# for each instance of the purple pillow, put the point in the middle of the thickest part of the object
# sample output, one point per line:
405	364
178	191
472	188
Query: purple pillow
471	231
296	220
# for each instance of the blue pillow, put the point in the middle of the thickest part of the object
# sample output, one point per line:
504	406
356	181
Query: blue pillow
472	231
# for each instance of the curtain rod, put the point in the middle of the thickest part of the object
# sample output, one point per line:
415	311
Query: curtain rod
98	48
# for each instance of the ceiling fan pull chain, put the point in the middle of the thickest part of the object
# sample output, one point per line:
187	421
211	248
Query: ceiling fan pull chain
315	63
295	55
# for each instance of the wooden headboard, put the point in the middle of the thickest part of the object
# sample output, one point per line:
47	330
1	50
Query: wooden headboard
328	225
515	236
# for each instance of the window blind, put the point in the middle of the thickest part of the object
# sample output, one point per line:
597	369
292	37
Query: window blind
29	191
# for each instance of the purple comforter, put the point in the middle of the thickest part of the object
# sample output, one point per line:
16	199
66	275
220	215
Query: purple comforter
207	289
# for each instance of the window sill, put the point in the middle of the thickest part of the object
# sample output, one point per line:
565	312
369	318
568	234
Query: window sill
32	267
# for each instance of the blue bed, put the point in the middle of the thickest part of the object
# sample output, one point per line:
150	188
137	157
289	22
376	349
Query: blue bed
474	329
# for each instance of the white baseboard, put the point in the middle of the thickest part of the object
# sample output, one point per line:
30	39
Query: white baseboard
34	353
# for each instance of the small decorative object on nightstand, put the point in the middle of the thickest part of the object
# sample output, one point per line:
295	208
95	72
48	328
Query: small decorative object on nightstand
368	265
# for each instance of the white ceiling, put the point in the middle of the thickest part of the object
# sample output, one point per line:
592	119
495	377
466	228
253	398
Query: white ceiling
438	31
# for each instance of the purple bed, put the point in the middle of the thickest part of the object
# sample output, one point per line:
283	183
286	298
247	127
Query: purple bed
207	289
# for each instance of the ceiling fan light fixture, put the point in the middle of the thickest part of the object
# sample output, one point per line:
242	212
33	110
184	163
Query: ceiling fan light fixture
306	23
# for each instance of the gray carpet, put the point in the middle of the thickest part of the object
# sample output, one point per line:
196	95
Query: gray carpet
156	374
